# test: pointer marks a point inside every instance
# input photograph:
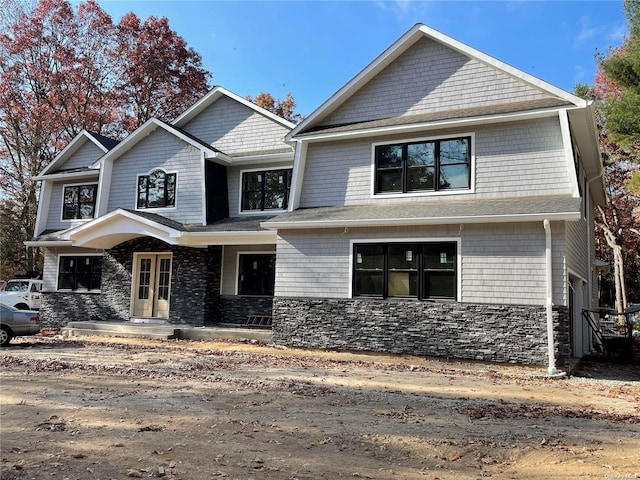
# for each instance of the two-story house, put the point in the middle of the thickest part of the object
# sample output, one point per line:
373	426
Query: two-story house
439	203
166	223
442	203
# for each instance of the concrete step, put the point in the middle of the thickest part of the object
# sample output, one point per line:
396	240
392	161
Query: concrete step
124	329
164	331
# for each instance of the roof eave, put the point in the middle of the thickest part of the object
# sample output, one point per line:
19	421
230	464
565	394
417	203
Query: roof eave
48	243
433	125
71	175
216	93
414	34
402	222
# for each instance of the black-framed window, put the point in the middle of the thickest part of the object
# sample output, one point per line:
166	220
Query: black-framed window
256	275
79	201
428	165
425	270
157	190
266	190
80	273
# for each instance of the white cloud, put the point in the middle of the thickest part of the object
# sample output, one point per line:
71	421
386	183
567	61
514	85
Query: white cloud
616	34
404	9
586	33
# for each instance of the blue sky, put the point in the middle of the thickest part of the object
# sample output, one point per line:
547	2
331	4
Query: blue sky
312	48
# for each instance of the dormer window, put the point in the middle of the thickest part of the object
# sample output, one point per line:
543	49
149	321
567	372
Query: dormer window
157	190
429	165
79	202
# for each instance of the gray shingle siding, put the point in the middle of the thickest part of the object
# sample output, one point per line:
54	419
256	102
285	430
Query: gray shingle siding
86	155
160	150
429	77
512	159
501	263
235	128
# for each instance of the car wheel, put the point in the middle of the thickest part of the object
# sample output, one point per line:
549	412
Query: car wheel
5	336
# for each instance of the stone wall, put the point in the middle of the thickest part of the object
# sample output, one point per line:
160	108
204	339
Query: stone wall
194	297
58	309
515	334
235	309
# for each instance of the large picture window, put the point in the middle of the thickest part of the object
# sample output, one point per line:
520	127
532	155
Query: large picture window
266	190
415	270
429	165
79	202
157	190
80	273
256	274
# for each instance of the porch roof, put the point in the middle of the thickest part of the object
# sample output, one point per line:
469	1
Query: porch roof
435	212
122	225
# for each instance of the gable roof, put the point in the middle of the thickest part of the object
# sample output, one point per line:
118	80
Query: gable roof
218	92
121	225
103	143
412	36
153	124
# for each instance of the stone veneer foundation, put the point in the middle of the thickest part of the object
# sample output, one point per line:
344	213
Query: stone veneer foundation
497	333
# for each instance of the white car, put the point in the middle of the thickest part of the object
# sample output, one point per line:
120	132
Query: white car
16	323
23	294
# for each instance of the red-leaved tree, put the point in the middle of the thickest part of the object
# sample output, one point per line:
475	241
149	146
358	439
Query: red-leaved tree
64	70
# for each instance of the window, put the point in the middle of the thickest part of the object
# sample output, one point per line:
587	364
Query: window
157	190
79	202
412	270
422	166
266	190
80	273
256	274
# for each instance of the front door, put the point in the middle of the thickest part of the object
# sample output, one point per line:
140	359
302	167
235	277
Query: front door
152	285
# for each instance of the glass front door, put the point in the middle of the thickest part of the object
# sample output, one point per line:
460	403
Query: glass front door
152	286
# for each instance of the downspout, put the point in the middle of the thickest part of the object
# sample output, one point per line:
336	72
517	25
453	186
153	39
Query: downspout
549	301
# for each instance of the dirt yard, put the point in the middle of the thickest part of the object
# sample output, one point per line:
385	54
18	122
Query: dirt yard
99	408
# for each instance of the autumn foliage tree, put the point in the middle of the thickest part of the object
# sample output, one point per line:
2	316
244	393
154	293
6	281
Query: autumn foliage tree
64	70
283	107
616	90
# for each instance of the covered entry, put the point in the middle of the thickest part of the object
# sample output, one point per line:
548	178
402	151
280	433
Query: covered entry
152	285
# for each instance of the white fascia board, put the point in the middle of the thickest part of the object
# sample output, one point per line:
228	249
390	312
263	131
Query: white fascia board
299	166
48	244
417	32
436	125
65	176
404	222
43	199
567	142
213	95
203	239
144	130
71	148
218	157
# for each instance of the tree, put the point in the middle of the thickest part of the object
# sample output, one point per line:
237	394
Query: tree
616	91
282	107
161	76
62	71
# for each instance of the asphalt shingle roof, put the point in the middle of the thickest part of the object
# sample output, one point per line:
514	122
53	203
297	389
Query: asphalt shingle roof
440	209
479	111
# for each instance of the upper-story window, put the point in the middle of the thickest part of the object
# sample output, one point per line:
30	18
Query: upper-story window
265	190
79	201
157	190
423	166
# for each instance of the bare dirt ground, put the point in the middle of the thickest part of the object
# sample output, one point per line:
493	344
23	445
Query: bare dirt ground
100	408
